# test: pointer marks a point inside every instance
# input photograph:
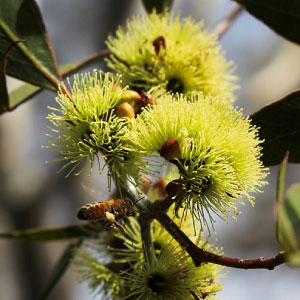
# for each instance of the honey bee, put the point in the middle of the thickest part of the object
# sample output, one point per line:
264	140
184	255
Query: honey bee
108	212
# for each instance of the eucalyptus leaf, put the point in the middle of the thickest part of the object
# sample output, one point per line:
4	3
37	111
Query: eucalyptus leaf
27	91
4	98
279	127
3	94
49	233
60	268
159	5
280	197
32	61
288	217
282	16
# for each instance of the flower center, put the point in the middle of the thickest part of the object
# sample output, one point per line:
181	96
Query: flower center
157	248
175	85
157	283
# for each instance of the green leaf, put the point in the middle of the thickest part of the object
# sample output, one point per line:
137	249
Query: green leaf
282	16
32	61
292	210
50	234
4	98
21	94
60	268
288	217
280	128
3	94
27	91
158	5
3	87
280	195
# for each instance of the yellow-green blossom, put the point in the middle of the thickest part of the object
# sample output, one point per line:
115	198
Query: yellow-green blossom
86	126
129	274
100	278
220	153
172	276
179	55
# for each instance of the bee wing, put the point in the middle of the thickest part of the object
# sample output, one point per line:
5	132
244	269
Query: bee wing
93	188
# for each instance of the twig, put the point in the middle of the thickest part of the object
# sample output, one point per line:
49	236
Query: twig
199	255
145	219
157	210
225	24
145	223
163	205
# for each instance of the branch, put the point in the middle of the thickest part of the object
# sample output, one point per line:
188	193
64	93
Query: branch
145	224
143	204
163	205
199	255
225	24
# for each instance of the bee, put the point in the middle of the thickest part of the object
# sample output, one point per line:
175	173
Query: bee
108	212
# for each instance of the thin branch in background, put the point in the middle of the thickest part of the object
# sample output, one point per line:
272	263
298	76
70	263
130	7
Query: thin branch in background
61	267
225	24
199	255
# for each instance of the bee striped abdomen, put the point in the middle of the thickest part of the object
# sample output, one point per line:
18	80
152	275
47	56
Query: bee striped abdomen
92	211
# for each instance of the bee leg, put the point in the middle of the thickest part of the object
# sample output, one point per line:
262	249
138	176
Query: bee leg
114	212
118	227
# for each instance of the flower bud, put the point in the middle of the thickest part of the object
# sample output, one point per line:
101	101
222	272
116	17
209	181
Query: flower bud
172	188
170	150
147	99
130	96
125	110
159	43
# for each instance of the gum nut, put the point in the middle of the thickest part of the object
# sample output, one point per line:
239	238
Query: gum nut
130	95
125	110
146	99
170	150
172	188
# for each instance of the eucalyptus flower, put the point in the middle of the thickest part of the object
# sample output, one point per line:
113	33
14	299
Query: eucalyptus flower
178	55
216	150
128	275
172	276
100	278
90	125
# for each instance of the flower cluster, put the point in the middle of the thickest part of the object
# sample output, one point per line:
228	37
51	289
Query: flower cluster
128	274
170	104
178	55
216	151
94	123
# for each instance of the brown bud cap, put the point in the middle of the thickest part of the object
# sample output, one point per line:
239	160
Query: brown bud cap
160	186
159	43
125	110
130	96
170	149
147	99
173	188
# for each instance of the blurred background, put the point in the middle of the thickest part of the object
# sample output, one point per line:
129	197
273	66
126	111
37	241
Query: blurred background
33	195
